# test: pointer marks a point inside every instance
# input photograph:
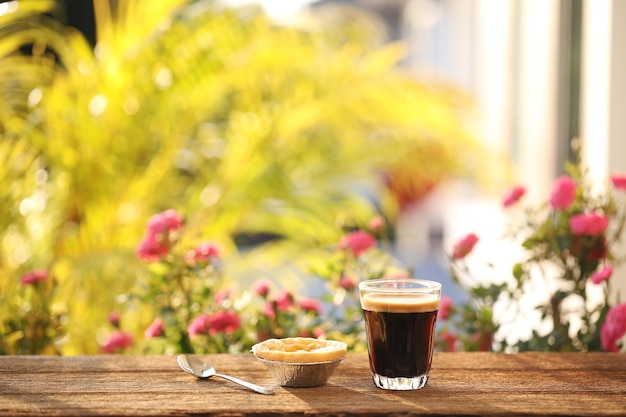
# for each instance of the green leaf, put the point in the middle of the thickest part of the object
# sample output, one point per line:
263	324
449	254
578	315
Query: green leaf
518	273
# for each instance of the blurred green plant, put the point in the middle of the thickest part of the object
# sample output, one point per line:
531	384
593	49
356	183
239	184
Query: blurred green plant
32	323
248	126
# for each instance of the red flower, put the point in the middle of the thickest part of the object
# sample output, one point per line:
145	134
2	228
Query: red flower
223	295
464	246
563	193
114	318
220	322
318	332
445	308
160	234
357	242
155	329
513	196
619	181
589	224
449	341
117	342
315	333
223	322
309	304
198	326
33	277
165	222
150	249
613	328
347	283
602	274
376	223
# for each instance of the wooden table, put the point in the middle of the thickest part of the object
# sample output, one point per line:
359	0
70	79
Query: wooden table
460	384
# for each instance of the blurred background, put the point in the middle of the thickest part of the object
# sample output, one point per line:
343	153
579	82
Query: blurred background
287	121
542	74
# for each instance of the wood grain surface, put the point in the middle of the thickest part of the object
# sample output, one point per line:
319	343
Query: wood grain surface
462	384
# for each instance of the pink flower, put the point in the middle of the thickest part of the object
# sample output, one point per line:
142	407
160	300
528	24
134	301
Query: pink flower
316	333
613	328
223	322
34	276
376	223
602	274
347	283
563	193
589	224
160	234
117	342
223	295
204	252
464	246
619	181
445	308
219	322
357	242
198	326
309	304
513	196
114	318
168	221
155	329
261	287
150	249
268	309
284	300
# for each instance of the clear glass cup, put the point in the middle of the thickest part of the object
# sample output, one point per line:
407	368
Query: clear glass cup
400	319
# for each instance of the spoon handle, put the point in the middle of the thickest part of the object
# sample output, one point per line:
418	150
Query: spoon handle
249	385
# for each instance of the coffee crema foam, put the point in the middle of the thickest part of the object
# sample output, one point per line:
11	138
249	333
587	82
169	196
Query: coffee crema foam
400	303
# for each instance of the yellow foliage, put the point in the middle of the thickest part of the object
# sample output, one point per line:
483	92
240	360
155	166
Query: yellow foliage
242	125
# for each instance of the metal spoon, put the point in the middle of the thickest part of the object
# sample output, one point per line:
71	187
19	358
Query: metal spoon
199	369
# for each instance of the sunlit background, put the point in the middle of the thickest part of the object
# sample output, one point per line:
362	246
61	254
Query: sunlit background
543	74
511	84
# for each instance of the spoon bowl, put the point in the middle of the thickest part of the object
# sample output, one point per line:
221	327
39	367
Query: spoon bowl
199	369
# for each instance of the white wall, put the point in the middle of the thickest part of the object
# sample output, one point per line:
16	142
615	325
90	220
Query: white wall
603	130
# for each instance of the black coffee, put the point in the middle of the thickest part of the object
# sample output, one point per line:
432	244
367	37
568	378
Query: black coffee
400	333
400	344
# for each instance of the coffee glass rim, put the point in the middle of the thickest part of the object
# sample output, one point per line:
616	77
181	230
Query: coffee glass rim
377	285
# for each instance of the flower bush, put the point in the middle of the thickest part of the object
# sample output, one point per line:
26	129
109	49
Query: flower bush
361	254
193	307
571	239
569	246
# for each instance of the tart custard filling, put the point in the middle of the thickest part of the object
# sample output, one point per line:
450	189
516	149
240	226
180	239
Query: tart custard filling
300	350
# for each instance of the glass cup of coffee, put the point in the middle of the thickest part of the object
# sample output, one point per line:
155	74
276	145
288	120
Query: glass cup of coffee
400	318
